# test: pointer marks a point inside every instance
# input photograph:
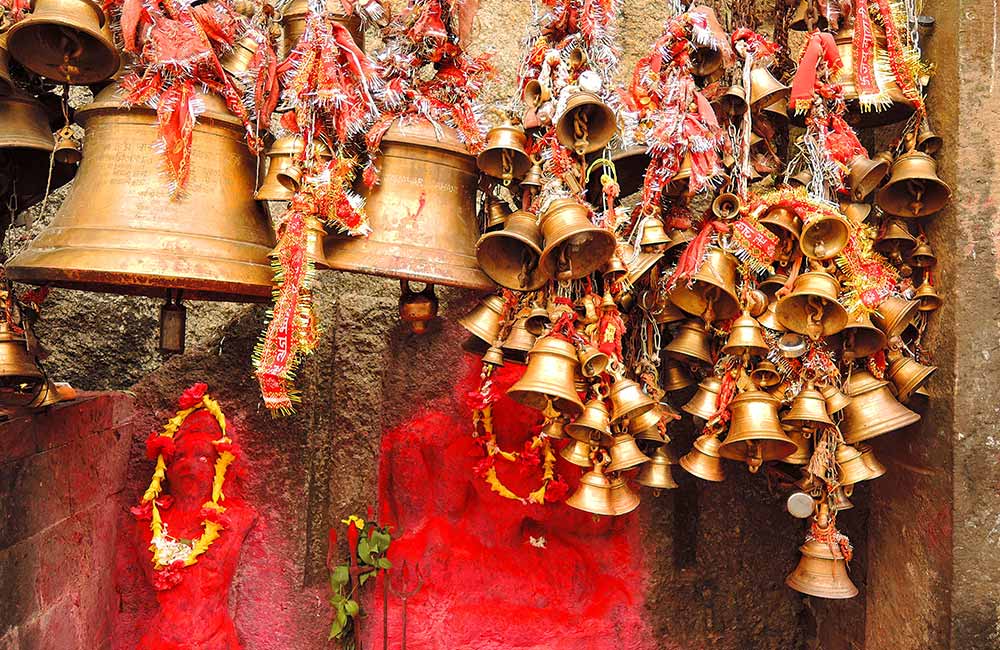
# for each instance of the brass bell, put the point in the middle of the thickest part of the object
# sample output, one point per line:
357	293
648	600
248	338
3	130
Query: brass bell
654	236
772	283
614	270
295	15
504	156
518	343
625	454
587	123
593	426
851	466
778	113
838	500
656	473
555	429
493	356
25	152
897	108
705	62
861	338
21	380
711	292
680	181
592	361
907	375
746	338
623	499
808	409
803	447
800	19
782	222
485	318
703	404
65	40
425	232
67	149
703	460
628	400
765	89
856	213
927	296
734	101
812	307
417	308
894	314
765	375
865	175
281	155
675	377
510	256
770	318
6	81
836	400
678	239
574	246
630	165
923	255
824	236
536	93
873	463
914	189
533	179
120	230
578	453
538	320
666	312
497	212
800	179
895	237
726	206
822	572
755	433
873	409
594	494
928	141
646	426
552	365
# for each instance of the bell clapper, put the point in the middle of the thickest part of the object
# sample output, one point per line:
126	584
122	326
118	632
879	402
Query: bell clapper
173	322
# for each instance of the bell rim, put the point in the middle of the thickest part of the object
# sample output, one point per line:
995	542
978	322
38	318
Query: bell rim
109	64
771	448
689	466
884	426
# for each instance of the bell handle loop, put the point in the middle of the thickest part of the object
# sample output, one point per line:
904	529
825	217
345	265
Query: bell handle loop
609	168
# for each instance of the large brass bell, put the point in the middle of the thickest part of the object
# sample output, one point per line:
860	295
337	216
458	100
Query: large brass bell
625	454
504	156
746	338
587	123
518	343
914	189
812	307
510	256
628	400
25	149
907	375
894	314
862	338
120	230
878	114
656	473
574	246
808	409
280	156
594	425
485	319
577	453
675	377
927	296
865	175
623	499
704	460
824	236
64	40
711	292
822	572
594	493
703	404
852	466
873	409
630	166
21	379
765	89
422	213
755	433
552	365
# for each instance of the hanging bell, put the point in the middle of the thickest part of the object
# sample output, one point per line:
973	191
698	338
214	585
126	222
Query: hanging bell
675	377
65	41
25	151
897	108
873	463
592	361
678	240
765	375
894	314
538	320
782	222
907	375
654	235
806	18
593	426
281	156
646	426
497	212
666	312
928	141
765	89
873	409
755	433
630	167
510	256
824	236
914	189
120	230
656	473
746	338
803	448
894	239
614	270
484	320
770	318
295	16
711	292
417	308
574	246
777	113
628	400
808	409
552	365
703	460
587	123
625	454
861	338
838	500
865	175
640	265
822	572
504	156
800	179
923	255
422	231
856	213
577	452
533	179
812	307
927	296
836	401
21	380
555	429
734	101
518	343
594	494
851	466
67	149
680	181
493	357
703	404
726	206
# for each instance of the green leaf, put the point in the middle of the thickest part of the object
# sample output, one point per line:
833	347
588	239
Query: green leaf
339	577
365	550
383	563
381	541
335	629
365	577
351	607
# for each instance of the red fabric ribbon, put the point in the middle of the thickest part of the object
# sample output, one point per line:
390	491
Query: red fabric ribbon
821	48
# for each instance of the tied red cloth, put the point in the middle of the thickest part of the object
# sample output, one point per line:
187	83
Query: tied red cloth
864	55
821	48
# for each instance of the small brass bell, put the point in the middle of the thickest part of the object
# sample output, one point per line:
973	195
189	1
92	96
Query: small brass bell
67	149
928	141
656	473
824	236
21	380
510	256
755	433
765	89
555	429
594	494
654	236
625	454
493	356
782	222
614	270
533	179
808	409
812	307
862	338
680	181
822	572
765	375
907	375
703	460
592	361
746	338
593	426
484	320
851	466
711	292
865	175
623	499
574	246
726	206
281	155
703	404
549	378
873	410
497	212
628	400
923	255
538	320
770	318
894	314
914	189
518	343
895	237
587	124
734	101
646	426
417	307
578	453
504	156
836	400
873	463
927	296
675	377
838	500
803	448
856	213
536	93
